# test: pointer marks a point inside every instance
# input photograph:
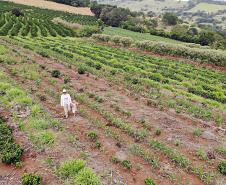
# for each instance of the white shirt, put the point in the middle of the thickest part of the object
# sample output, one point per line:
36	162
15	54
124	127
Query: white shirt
65	99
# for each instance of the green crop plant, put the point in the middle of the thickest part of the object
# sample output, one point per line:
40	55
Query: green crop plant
92	135
197	131
149	181
98	144
31	179
66	80
158	132
43	97
117	108
115	160
81	70
55	73
126	163
222	167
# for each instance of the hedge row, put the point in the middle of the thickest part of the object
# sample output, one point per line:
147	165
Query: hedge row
11	152
125	41
217	57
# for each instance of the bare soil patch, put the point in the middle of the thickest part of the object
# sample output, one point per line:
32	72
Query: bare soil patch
55	6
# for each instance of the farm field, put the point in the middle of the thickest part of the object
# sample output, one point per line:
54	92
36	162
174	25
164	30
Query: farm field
137	36
147	5
207	8
54	6
153	117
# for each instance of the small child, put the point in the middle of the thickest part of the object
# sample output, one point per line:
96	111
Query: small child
74	107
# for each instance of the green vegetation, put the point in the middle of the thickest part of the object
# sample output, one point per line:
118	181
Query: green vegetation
126	163
136	36
92	135
55	73
31	179
78	173
46	14
222	167
149	181
207	7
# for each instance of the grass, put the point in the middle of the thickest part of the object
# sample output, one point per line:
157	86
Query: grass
207	7
147	5
137	36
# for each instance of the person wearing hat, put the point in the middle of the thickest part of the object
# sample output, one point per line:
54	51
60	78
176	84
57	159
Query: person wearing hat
65	102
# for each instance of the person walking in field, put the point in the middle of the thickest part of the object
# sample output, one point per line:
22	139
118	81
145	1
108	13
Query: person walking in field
66	102
74	107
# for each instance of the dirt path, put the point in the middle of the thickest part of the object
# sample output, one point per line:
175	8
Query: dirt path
198	64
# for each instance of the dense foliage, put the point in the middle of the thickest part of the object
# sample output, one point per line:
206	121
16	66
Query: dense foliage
31	179
11	152
76	3
111	15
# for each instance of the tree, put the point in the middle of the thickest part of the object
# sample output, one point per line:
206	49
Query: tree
206	37
192	31
170	19
151	14
179	29
17	12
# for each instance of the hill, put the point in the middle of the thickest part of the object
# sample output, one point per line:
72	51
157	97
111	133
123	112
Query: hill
54	6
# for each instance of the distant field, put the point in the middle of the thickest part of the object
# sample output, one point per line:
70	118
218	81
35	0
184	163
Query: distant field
54	6
146	5
207	7
137	36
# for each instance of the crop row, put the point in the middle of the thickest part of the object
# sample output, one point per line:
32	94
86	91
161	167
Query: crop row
11	152
42	14
160	69
22	26
216	57
187	105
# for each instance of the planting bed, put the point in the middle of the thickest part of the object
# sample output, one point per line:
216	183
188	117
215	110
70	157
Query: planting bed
167	133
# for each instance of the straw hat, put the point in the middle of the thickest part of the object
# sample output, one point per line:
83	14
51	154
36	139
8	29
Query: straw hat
64	90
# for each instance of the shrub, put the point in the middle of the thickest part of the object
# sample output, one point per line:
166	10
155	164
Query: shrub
135	80
126	163
126	41
98	65
43	97
222	167
11	153
158	132
91	95
100	100
149	181
55	73
92	135
117	108
98	144
115	160
116	39
178	111
149	102
113	71
66	80
31	179
81	70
